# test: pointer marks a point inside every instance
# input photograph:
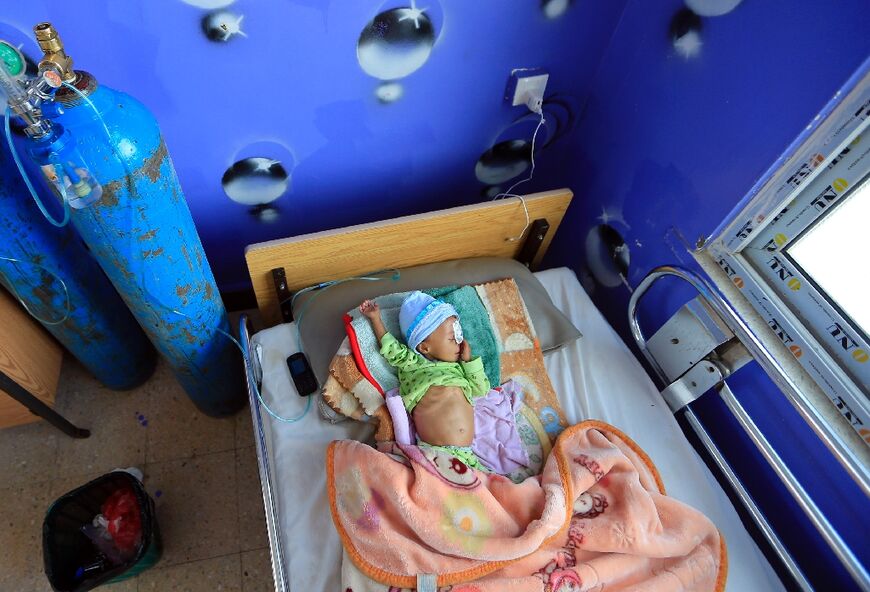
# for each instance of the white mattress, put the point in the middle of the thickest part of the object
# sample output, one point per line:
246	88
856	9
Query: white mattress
595	377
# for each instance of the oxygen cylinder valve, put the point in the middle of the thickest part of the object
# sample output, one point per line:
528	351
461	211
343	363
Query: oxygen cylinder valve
33	101
54	54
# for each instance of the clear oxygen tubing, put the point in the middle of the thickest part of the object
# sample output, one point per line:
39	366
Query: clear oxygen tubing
102	121
26	177
68	308
321	286
395	276
256	388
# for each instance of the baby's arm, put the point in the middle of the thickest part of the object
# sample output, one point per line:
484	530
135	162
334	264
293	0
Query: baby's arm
397	354
474	371
372	311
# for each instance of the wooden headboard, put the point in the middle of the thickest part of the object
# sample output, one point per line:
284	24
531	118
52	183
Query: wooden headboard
478	230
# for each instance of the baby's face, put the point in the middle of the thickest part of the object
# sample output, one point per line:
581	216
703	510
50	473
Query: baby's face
441	344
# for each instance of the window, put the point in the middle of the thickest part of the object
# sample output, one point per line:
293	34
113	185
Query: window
835	254
799	251
809	257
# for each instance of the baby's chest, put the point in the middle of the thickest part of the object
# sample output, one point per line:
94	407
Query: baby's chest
443	401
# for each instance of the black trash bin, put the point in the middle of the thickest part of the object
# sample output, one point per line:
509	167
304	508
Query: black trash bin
66	550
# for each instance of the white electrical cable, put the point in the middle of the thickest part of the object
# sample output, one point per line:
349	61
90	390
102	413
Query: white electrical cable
509	192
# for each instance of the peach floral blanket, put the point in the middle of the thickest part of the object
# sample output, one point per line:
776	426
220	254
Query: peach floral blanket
596	518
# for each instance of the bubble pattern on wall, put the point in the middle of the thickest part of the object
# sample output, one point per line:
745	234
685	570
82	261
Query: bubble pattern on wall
685	32
607	256
553	9
209	4
503	162
222	26
255	181
712	7
396	43
389	92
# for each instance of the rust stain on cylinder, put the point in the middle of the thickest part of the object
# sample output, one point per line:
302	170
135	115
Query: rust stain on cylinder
181	292
148	235
110	193
187	256
188	335
45	291
151	167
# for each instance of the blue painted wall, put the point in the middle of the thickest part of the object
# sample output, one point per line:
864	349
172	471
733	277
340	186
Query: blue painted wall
667	140
289	87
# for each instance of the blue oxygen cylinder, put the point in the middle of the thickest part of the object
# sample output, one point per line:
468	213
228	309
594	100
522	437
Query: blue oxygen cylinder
57	280
142	234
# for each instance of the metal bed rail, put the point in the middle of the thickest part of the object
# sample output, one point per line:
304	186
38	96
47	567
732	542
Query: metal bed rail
766	529
277	551
857	470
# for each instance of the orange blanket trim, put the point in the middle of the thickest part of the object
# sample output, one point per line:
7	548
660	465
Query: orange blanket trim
468	575
722	576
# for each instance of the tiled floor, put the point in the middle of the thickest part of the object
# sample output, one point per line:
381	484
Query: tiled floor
202	473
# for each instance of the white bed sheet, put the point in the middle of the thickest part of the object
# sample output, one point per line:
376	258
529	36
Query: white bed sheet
594	377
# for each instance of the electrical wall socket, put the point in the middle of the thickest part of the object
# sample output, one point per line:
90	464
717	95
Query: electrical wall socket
526	87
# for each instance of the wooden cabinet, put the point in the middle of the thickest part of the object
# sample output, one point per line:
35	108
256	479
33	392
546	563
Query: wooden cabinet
30	356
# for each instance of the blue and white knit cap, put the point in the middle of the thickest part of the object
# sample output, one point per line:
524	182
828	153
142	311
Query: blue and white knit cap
420	315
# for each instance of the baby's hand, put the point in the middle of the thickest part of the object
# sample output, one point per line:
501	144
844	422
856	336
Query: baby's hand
465	351
370	309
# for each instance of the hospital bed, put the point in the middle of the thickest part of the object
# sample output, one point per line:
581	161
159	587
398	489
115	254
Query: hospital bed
595	376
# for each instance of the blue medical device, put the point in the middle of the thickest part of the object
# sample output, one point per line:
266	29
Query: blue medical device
103	153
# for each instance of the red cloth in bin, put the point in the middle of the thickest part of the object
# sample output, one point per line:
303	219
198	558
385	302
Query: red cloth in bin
121	510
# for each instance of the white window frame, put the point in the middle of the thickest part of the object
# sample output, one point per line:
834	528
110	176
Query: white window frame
804	185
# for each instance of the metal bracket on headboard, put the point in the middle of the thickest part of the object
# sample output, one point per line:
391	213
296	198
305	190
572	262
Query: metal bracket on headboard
279	278
533	242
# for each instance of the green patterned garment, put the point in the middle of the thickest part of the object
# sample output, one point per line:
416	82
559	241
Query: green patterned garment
417	374
463	453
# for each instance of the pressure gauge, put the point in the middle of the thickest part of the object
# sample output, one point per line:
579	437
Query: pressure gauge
13	61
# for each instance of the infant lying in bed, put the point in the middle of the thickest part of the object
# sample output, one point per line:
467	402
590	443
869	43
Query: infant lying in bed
439	381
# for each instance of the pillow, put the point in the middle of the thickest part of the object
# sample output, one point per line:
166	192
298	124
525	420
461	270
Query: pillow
321	329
